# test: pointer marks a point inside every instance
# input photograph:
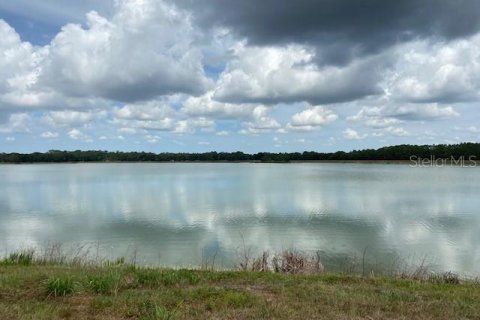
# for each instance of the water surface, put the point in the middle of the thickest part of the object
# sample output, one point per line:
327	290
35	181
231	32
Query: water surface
180	214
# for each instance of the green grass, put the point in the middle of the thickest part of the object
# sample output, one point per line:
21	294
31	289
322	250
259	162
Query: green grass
25	258
104	283
118	291
60	286
155	277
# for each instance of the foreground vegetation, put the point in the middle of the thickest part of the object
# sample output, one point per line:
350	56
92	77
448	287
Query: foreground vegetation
40	289
393	153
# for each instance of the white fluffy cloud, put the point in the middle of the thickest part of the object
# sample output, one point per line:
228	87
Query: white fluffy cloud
374	117
135	126
49	135
351	134
76	134
431	111
389	115
157	115
396	131
19	70
289	74
145	50
17	122
15	57
139	117
312	118
145	66
191	125
205	106
254	117
437	72
260	122
150	110
72	118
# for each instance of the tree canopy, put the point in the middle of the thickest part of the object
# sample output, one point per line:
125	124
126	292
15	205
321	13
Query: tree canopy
392	153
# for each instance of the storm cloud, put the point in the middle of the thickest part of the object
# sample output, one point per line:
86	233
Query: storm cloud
339	29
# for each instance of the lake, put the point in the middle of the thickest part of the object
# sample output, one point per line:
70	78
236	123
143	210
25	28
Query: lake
182	214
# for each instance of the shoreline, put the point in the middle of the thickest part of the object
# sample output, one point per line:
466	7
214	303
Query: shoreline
362	162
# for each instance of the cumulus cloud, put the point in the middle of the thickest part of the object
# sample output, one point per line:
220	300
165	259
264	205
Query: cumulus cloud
157	115
22	77
15	57
152	138
312	118
423	112
254	116
76	134
438	72
49	135
17	122
260	122
150	110
342	29
396	131
72	118
389	115
19	69
166	124
137	67
145	50
206	106
21	82
288	74
150	115
191	125
351	134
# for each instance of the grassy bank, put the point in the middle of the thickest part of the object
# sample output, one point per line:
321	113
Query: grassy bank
35	290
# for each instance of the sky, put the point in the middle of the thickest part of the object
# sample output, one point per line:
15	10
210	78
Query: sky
228	75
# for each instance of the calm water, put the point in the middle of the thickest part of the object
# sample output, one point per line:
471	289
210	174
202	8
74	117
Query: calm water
178	214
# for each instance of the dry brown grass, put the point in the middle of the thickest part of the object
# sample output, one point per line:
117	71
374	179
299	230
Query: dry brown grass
287	261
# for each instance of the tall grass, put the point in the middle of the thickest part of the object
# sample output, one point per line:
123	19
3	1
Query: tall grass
106	283
61	286
286	261
24	257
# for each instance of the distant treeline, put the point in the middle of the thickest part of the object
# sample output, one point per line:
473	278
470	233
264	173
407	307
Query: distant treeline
400	152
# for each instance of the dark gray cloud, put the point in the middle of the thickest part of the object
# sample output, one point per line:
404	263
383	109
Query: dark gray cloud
339	29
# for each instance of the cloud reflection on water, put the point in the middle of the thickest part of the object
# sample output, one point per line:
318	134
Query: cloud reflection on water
174	213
